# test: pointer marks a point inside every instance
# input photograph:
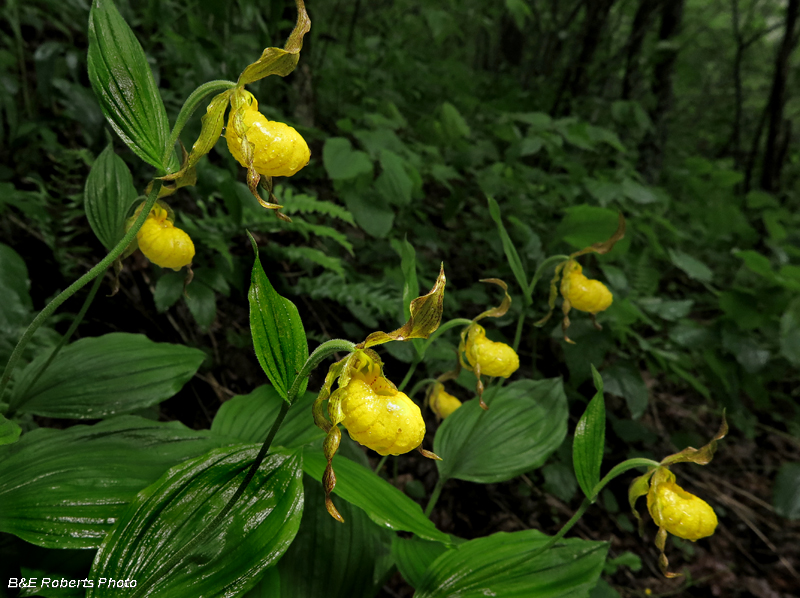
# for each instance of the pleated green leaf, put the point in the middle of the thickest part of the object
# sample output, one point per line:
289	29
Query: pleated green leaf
107	375
278	334
9	431
383	503
170	513
248	418
500	565
124	85
334	560
66	488
413	557
589	441
108	196
525	423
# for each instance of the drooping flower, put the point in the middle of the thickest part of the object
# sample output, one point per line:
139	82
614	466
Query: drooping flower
578	291
160	240
366	403
673	509
442	403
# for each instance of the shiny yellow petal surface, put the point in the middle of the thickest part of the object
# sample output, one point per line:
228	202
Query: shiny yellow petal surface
679	512
443	403
584	294
278	150
389	424
164	244
495	359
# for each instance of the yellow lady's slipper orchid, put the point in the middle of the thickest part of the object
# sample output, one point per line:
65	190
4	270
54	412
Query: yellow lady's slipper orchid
161	241
488	357
277	149
441	402
584	294
674	510
679	512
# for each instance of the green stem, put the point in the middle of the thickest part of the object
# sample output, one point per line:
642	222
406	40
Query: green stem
553	259
412	368
77	285
189	106
619	469
64	339
518	333
324	350
437	490
420	384
380	464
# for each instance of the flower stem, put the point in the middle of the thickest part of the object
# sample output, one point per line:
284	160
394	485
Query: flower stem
412	368
77	285
64	339
437	490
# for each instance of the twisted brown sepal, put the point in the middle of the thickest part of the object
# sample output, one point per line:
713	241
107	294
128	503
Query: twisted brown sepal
551	300
426	315
277	61
330	445
189	277
701	456
115	283
663	561
500	310
428	454
605	246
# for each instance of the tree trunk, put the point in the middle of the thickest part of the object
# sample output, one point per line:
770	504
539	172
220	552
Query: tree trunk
575	79
641	23
651	151
777	99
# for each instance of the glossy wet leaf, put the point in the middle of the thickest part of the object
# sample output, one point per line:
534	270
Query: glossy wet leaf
124	85
249	417
330	559
106	375
383	503
525	423
108	196
168	514
278	334
66	488
589	441
413	557
500	565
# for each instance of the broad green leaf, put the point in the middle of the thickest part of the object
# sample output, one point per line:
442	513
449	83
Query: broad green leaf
625	380
786	492
413	557
108	196
9	431
408	264
790	332
589	441
500	565
268	587
202	302
248	418
525	423
383	503
756	262
508	247
638	193
124	85
106	375
169	289
693	267
66	488
372	213
666	309
455	127
342	162
330	559
394	183
14	276
169	514
278	334
583	225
